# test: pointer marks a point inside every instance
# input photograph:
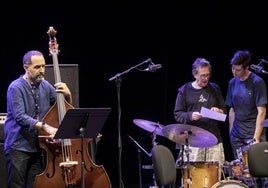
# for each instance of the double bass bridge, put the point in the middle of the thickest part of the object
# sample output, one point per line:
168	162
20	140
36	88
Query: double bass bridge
68	164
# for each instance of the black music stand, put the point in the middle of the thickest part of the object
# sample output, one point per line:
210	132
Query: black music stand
82	123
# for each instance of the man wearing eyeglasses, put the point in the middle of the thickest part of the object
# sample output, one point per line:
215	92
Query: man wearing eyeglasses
191	97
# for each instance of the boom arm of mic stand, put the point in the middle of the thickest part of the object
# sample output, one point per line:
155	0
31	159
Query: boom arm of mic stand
139	146
128	70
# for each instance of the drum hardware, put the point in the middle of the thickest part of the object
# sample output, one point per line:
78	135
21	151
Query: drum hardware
180	158
185	136
189	135
236	175
238	169
195	174
155	129
227	168
187	151
139	149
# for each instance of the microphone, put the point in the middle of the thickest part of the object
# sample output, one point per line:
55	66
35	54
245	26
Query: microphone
263	61
153	67
258	69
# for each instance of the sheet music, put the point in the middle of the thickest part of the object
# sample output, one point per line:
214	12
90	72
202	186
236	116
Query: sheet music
205	112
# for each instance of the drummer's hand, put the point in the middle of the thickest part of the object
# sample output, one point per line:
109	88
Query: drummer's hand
196	116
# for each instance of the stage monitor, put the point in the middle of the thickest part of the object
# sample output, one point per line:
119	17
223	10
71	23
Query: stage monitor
70	75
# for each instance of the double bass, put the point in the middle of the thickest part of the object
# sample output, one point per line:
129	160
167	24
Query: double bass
64	167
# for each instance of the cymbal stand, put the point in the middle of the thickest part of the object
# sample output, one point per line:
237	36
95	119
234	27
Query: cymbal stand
180	161
140	148
154	138
154	143
187	151
180	158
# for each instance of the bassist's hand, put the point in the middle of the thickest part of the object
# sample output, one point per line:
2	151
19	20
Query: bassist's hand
63	88
50	130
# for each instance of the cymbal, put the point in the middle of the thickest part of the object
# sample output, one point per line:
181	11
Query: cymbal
197	137
265	123
149	126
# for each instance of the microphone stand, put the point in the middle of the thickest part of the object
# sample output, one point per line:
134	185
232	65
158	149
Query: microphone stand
118	81
82	135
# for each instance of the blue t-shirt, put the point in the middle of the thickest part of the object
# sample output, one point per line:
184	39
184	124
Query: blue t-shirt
245	96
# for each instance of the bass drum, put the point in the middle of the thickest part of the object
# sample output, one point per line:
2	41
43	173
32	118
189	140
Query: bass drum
229	184
201	174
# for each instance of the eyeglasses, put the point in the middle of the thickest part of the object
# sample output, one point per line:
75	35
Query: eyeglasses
203	76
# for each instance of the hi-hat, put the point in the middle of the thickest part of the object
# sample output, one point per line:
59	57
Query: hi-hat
197	137
149	126
265	123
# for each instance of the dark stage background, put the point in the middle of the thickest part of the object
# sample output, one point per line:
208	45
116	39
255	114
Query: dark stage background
106	38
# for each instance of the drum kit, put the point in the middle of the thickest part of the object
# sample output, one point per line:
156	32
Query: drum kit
238	169
198	174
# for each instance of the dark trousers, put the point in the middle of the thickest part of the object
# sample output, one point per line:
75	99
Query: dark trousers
238	143
22	168
240	148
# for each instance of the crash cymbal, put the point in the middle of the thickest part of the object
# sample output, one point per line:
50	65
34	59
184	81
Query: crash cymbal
149	126
197	137
265	123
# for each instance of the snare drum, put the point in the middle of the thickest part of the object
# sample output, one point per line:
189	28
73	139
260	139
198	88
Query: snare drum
201	174
230	184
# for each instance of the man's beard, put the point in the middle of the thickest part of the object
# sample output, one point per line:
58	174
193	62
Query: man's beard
39	78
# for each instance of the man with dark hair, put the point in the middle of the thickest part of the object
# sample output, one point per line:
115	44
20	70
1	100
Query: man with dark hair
247	99
29	98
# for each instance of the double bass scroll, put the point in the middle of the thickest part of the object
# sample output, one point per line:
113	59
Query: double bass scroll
63	156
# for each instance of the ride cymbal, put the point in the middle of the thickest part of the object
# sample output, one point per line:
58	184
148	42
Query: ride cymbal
197	137
149	126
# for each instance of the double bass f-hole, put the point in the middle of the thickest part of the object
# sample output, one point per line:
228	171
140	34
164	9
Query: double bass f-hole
63	157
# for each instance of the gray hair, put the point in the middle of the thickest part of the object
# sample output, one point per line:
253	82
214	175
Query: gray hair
200	62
